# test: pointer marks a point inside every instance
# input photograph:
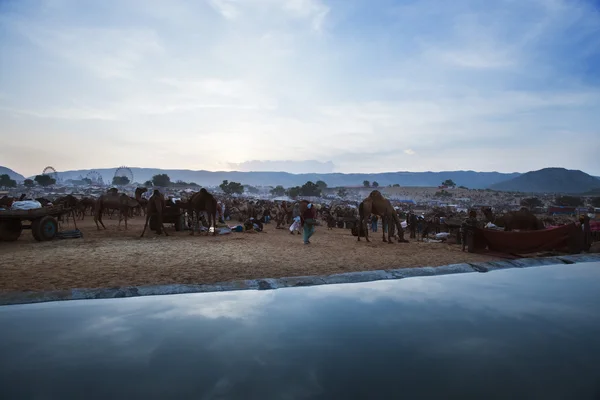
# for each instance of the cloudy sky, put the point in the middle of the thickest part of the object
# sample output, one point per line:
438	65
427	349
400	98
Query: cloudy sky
359	85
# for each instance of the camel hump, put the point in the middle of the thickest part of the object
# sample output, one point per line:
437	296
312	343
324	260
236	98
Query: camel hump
156	192
203	191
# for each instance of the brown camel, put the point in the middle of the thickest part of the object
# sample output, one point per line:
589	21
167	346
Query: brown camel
114	201
203	202
523	220
143	202
378	205
155	208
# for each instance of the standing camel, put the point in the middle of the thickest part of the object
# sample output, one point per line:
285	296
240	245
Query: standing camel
378	205
203	202
143	202
113	201
156	208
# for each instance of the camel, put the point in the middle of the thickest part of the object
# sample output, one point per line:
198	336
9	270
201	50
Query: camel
156	207
203	201
143	202
523	220
112	200
378	205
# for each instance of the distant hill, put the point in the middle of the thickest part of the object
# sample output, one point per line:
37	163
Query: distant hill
550	180
13	175
471	179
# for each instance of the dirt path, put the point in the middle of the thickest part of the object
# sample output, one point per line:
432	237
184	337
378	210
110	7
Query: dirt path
117	258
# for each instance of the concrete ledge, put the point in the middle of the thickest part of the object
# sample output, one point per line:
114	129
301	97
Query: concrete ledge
11	298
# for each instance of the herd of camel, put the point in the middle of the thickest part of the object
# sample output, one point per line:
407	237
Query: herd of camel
204	203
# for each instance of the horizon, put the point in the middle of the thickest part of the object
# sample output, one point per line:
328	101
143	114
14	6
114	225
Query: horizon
300	86
293	173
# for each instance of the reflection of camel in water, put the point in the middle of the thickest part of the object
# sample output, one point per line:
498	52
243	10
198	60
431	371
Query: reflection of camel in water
112	200
523	220
156	207
203	201
378	205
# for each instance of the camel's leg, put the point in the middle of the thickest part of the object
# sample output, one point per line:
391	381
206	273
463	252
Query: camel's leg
160	221
214	218
193	223
146	224
384	224
391	229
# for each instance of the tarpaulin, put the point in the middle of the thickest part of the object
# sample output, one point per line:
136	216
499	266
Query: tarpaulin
563	238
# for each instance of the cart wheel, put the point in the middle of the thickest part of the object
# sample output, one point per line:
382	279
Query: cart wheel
10	230
47	228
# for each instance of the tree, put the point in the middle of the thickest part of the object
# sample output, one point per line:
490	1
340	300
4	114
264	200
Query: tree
44	180
396	185
148	183
231	187
278	191
366	184
595	201
310	189
29	183
463	187
342	192
322	185
569	201
5	181
251	189
86	181
120	180
375	184
532	202
161	180
449	183
294	192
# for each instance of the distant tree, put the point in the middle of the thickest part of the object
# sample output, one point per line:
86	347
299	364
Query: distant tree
294	192
161	180
396	185
252	189
148	183
532	202
342	192
120	180
44	180
278	191
366	184
5	181
231	187
463	187
322	185
310	189
86	181
375	184
569	201
449	183
29	183
193	184
595	201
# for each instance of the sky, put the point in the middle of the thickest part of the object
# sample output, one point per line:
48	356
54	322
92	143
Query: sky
300	85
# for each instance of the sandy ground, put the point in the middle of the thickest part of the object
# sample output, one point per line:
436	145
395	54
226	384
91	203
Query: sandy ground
119	258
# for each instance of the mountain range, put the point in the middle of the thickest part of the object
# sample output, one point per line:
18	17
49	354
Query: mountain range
550	180
545	180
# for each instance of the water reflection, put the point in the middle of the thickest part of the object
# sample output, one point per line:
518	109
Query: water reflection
519	331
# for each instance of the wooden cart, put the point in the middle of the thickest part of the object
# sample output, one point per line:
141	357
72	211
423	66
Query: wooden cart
43	222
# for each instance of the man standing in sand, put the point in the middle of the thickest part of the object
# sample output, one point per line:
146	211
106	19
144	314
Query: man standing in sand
308	220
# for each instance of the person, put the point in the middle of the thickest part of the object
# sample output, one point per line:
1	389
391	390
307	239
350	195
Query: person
374	221
308	221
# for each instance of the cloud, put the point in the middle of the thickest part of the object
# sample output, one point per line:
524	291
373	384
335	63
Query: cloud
295	167
297	80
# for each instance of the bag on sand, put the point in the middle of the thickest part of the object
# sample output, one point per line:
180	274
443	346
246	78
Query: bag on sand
295	226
